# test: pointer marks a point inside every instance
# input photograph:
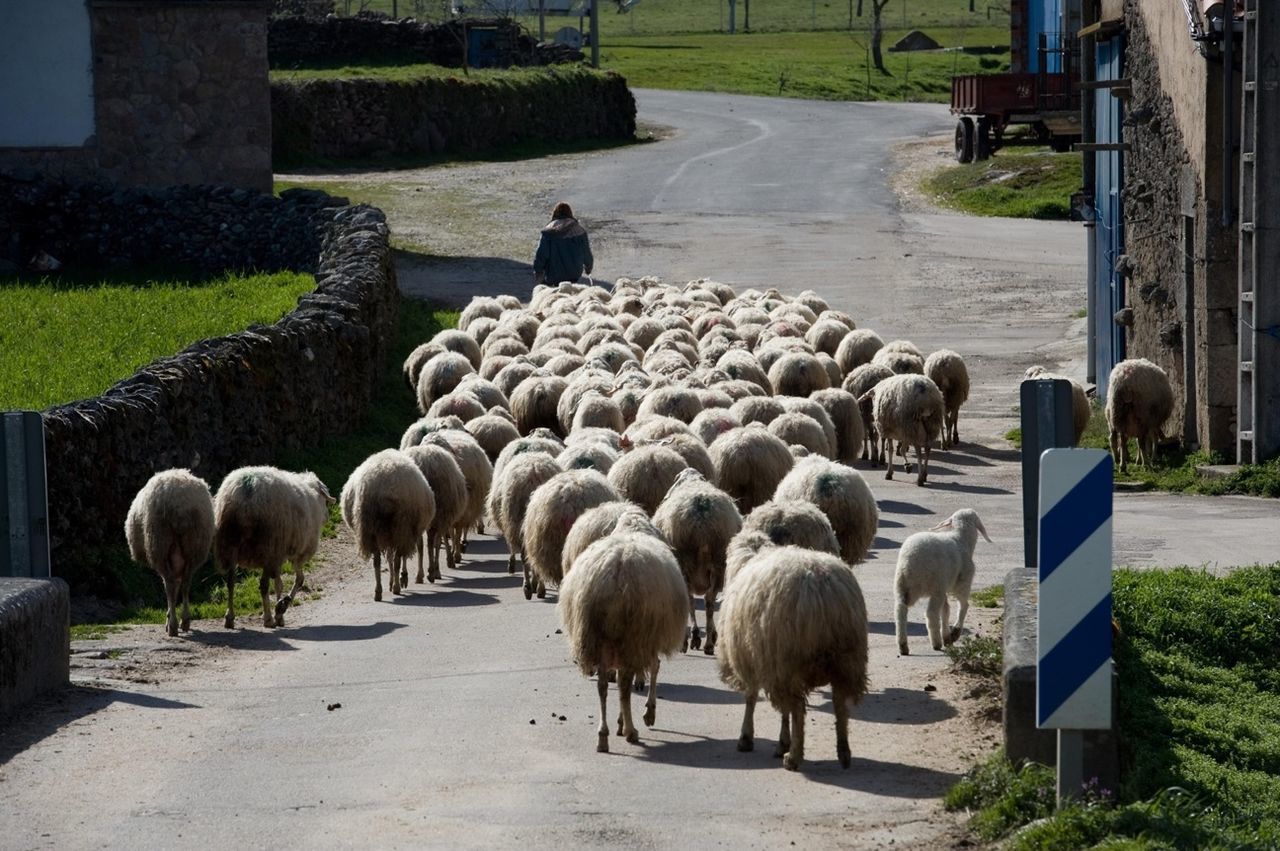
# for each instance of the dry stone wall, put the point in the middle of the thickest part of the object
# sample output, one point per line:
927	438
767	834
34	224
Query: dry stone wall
225	402
360	118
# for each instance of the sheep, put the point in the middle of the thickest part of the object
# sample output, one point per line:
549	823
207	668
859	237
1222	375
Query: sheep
549	515
825	335
838	316
908	409
485	391
742	365
858	383
595	409
534	403
899	362
796	428
389	506
565	364
757	409
589	455
692	450
936	564
417	359
698	520
798	374
481	328
509	497
490	367
737	389
479	306
1079	400
263	517
842	407
461	342
646	473
449	489
812	409
441	375
545	443
1139	400
797	523
842	495
586	381
513	375
946	369
749	464
655	427
857	348
493	432
605	436
622	606
679	403
834	374
794	620
815	303
459	403
478	472
904	346
599	522
712	423
169	528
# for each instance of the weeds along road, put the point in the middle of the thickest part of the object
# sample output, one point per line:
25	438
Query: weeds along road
453	717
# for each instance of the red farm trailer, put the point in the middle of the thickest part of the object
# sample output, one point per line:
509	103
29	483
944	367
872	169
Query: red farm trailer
1042	91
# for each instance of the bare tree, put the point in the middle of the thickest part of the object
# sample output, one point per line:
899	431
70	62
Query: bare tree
877	35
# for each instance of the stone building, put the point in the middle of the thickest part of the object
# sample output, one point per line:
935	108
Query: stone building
136	92
1163	150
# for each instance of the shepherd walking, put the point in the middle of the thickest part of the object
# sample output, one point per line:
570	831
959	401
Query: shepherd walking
564	251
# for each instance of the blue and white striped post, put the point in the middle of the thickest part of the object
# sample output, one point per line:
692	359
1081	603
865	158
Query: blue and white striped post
1073	674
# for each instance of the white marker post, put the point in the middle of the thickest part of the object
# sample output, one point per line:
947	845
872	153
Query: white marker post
1073	672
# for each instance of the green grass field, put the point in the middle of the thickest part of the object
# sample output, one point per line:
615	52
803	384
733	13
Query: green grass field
64	340
1031	185
1198	726
664	17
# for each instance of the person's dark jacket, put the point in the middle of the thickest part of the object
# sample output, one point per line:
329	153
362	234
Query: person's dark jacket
564	252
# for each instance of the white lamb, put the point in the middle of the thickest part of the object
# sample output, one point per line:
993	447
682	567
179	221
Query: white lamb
935	564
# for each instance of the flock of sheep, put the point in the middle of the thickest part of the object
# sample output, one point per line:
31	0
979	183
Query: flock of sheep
636	448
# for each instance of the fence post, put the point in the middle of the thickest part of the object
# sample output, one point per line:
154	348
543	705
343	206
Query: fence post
24	504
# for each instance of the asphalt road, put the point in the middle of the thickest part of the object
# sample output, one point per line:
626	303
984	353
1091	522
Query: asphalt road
436	719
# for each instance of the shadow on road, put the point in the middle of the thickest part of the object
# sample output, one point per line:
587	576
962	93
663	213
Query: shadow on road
956	486
454	280
865	775
954	457
445	598
893	506
694	693
902	706
48	715
341	632
884	544
888	628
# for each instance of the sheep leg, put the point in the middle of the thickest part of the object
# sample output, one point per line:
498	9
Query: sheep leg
283	603
511	563
1114	439
377	577
528	580
264	586
542	589
602	688
954	635
795	753
185	623
886	453
710	601
651	702
230	621
955	426
933	618
841	703
747	738
418	579
395	560
902	628
784	736
922	460
171	591
624	695
694	638
403	561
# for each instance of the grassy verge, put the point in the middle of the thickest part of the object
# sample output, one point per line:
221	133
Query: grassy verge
1036	185
1175	469
46	358
1198	725
391	412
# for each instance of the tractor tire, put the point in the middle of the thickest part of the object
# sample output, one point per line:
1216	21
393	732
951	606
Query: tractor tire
982	147
964	140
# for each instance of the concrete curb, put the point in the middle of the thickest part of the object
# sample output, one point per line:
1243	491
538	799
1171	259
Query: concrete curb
1022	740
35	639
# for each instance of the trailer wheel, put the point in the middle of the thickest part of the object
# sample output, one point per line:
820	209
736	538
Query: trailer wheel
982	147
1059	144
964	140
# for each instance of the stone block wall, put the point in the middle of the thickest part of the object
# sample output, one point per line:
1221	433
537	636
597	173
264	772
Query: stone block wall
181	96
298	40
226	402
1170	178
343	119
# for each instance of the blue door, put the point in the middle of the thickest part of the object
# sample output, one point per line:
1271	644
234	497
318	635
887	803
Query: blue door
1108	217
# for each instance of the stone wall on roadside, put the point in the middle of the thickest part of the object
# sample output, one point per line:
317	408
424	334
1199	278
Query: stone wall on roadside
225	402
322	119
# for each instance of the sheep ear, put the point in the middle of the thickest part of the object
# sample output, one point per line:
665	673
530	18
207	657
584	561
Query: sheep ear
983	530
945	524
